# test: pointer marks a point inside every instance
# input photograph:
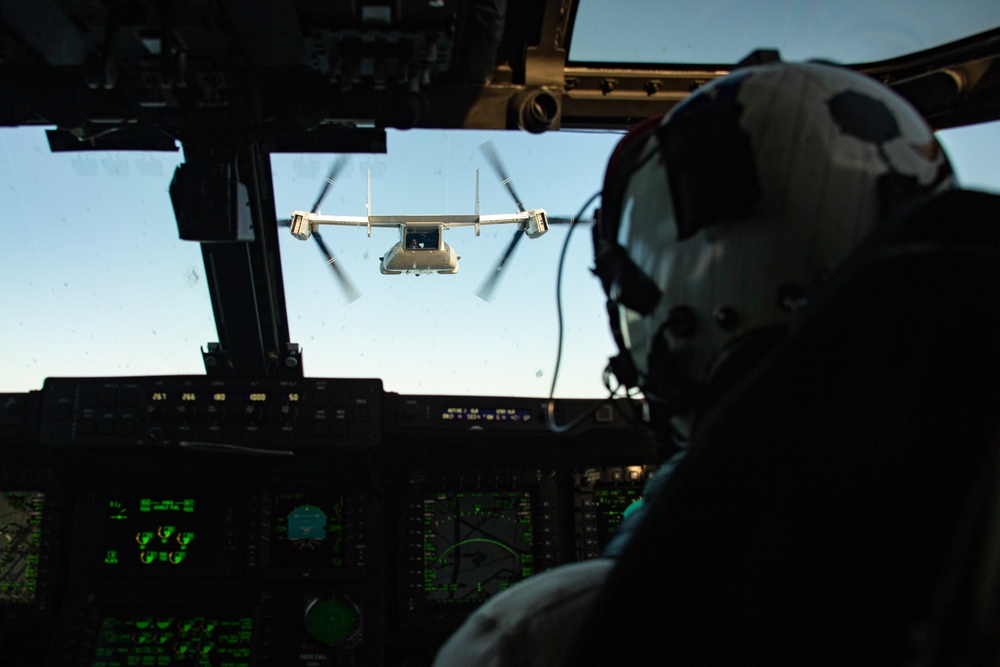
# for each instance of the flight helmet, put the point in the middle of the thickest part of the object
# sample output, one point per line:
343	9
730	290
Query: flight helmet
718	219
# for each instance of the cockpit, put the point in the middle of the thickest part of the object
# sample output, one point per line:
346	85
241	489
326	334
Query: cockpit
421	238
224	445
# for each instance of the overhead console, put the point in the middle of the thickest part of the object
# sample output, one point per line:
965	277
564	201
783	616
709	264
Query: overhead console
302	522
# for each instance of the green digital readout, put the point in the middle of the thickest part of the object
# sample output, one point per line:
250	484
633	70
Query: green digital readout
476	544
154	532
167	641
166	505
20	536
610	504
308	530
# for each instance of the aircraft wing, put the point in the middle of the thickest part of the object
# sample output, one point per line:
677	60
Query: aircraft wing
534	222
474	220
303	222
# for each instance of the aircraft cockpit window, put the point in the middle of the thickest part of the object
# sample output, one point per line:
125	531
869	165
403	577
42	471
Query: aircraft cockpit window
421	238
96	282
846	31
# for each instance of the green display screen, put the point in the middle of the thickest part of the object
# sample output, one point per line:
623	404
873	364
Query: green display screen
476	544
156	532
174	641
20	536
610	503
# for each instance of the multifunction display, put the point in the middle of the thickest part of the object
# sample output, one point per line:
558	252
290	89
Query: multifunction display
610	504
20	536
191	641
476	544
603	497
156	532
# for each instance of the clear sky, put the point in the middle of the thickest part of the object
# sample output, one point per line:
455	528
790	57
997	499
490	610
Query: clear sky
95	281
724	31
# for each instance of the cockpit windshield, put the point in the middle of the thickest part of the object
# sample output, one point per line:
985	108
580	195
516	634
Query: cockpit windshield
846	31
96	281
421	238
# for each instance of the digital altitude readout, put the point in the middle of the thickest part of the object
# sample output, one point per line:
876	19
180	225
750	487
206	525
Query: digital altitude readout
20	535
154	532
486	414
308	530
476	544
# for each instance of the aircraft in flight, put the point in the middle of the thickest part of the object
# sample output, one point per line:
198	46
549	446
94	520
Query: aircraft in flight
421	247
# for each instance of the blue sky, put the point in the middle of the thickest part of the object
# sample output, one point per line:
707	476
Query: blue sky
724	31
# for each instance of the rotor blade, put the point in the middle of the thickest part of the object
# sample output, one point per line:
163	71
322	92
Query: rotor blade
486	289
350	291
494	159
335	169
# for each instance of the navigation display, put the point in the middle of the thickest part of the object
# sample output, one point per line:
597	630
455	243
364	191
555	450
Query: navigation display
156	532
475	544
20	535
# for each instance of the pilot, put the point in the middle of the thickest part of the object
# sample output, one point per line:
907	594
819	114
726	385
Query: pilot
717	222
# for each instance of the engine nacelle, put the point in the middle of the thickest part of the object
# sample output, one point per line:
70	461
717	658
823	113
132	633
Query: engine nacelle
538	223
301	227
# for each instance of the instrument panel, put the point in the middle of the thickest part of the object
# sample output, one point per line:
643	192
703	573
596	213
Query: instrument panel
199	521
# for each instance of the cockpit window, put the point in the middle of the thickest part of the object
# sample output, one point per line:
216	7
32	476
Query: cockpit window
94	278
96	281
846	31
422	238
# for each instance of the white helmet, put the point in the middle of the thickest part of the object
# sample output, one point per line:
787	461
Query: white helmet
719	218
